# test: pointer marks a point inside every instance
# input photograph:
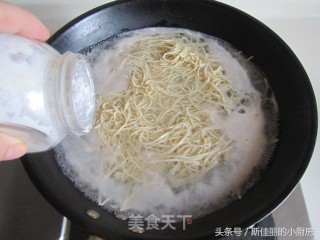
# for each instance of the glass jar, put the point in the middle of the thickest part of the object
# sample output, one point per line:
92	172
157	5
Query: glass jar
44	95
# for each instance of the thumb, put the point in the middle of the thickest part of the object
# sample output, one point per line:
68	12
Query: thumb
11	148
14	19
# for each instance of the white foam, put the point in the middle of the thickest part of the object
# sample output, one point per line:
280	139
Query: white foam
84	160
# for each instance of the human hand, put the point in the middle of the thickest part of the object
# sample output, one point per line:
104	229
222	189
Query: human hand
11	148
16	20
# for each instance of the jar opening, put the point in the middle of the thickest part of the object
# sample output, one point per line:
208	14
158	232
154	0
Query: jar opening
77	93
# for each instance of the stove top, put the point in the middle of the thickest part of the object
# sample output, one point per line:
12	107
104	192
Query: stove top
26	215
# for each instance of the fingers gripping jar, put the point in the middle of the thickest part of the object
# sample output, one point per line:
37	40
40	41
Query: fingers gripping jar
44	95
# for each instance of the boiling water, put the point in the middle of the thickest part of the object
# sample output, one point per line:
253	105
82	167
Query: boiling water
83	160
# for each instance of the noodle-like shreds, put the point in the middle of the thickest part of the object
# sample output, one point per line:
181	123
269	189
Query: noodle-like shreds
159	123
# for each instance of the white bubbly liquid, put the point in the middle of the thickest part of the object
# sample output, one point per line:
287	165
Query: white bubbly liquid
83	161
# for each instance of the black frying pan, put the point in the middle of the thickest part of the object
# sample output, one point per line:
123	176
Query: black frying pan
291	86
